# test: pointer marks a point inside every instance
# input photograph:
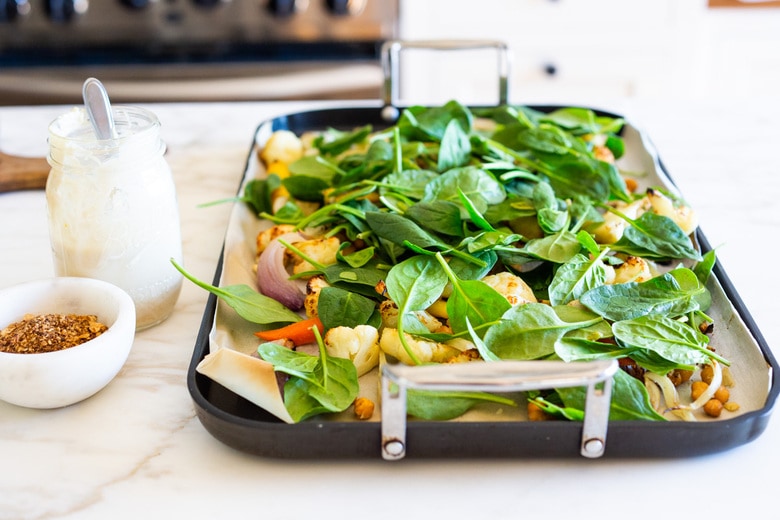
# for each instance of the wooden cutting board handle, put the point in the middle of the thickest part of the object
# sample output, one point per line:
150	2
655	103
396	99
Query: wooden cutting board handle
22	173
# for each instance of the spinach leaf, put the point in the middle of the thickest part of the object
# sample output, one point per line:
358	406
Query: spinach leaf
442	216
313	166
398	229
570	348
630	400
430	123
247	302
337	307
410	183
357	258
655	237
703	269
455	148
551	217
473	212
573	177
443	406
471	270
476	301
573	119
334	142
414	285
480	187
484	352
650	360
299	404
513	207
368	275
575	277
317	384
663	295
472	301
588	242
558	248
600	329
529	331
306	187
492	240
671	339
257	193
541	139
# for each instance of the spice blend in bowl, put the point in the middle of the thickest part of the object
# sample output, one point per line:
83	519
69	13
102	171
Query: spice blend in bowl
49	332
62	340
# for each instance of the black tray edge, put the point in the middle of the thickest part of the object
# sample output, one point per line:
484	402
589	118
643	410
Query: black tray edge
322	439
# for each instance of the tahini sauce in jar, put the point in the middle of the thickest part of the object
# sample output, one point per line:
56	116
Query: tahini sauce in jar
112	208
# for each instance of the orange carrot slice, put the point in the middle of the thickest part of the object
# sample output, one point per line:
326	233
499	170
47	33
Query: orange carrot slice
300	332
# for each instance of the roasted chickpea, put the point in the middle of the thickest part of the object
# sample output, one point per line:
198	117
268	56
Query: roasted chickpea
679	377
535	413
722	394
707	374
364	408
713	407
698	388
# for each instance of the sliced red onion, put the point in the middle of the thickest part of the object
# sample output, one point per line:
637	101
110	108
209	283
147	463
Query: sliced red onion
273	280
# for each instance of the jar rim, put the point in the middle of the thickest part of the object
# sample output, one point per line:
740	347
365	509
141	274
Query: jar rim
129	121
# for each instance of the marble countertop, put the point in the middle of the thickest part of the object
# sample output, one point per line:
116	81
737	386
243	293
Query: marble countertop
136	449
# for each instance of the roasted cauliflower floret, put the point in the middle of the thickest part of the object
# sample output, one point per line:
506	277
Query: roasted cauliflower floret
633	269
321	250
388	310
425	351
284	146
602	153
511	287
682	215
313	288
269	235
466	356
613	226
360	345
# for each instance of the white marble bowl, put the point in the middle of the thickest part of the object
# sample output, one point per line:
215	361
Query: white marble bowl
63	377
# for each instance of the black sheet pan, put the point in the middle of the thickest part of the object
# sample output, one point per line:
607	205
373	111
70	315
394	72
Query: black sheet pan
244	426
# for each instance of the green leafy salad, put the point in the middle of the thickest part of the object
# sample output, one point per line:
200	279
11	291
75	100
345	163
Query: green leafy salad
477	235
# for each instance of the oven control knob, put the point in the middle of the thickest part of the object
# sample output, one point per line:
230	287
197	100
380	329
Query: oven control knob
135	4
206	3
338	7
281	8
65	10
11	9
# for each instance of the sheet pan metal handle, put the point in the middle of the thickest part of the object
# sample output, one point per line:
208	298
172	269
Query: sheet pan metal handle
503	376
391	58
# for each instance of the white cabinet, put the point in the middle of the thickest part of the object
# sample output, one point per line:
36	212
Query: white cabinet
572	49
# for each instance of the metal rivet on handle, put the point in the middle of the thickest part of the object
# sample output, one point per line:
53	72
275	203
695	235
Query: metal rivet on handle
594	446
394	448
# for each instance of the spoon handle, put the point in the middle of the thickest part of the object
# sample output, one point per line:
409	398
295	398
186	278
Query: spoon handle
98	108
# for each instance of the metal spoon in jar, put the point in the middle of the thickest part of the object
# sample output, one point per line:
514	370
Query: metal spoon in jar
98	108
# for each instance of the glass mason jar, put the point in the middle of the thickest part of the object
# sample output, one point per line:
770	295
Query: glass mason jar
112	208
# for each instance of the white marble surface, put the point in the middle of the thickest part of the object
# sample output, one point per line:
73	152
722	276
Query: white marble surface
137	450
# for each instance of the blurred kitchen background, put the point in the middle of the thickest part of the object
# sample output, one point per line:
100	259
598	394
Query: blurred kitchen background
184	50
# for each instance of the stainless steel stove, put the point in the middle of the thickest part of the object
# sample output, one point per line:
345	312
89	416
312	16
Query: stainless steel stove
193	49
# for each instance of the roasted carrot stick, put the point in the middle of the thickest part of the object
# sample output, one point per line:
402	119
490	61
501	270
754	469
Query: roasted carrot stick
300	332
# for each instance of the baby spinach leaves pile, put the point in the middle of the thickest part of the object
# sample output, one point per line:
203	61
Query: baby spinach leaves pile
442	199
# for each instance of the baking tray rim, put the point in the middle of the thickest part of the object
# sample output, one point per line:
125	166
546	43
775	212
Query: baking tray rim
739	430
